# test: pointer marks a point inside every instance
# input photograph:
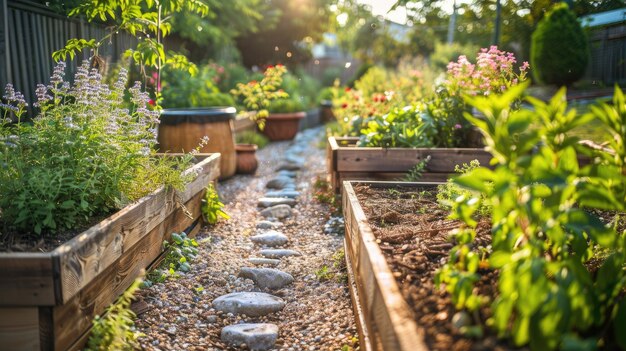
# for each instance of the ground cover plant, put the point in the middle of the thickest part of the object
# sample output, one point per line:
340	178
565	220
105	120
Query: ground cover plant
86	153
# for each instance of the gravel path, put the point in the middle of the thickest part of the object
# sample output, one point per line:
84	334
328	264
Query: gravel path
318	312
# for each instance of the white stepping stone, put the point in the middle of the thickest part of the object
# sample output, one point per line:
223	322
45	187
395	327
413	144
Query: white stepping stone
268	225
278	211
267	278
256	336
273	201
280	182
279	253
270	238
258	261
283	193
253	304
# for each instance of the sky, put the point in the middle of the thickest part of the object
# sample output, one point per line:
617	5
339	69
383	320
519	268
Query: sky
380	7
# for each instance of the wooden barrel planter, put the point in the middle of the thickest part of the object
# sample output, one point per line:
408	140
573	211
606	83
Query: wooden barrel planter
384	319
346	161
181	130
282	126
48	300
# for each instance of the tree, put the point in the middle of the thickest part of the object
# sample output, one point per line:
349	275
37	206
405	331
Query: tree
559	51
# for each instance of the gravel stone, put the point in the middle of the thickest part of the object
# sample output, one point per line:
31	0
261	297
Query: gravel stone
278	211
253	304
257	336
279	253
273	201
263	261
268	225
292	194
270	238
267	278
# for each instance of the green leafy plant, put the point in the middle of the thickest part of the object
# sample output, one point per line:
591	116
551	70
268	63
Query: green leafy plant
180	89
257	95
561	269
87	152
212	206
252	137
115	329
401	127
450	192
415	174
289	105
324	193
560	50
180	252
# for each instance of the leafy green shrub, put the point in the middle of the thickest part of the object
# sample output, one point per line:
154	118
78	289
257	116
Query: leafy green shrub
359	73
559	50
561	276
402	127
115	330
285	106
445	53
212	206
85	153
183	90
252	137
448	193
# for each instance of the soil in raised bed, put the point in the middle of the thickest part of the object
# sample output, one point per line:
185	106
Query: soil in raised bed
412	231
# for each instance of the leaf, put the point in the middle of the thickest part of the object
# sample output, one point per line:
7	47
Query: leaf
619	324
476	179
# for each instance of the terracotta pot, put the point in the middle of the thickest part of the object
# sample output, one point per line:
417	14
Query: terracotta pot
282	126
181	130
246	158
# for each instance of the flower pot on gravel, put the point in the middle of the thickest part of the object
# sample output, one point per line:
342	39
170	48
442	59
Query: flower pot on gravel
181	130
48	300
326	111
282	126
247	162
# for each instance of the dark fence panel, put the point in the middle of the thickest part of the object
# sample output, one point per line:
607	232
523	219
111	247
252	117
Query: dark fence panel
30	33
608	55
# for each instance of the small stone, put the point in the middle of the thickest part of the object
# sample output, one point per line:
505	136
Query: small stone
270	238
268	225
279	182
267	278
286	173
283	193
211	319
273	201
279	253
278	211
289	167
256	336
253	304
263	261
461	319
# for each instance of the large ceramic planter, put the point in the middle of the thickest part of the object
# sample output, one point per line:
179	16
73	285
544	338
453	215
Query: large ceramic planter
181	130
345	161
247	162
384	319
282	126
48	300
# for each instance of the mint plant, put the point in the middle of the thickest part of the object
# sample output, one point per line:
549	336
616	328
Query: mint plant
212	207
180	252
561	269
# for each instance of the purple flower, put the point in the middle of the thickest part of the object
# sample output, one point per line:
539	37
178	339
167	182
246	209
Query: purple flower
457	126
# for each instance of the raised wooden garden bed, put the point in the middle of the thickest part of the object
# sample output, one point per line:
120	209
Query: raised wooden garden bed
345	161
47	300
384	319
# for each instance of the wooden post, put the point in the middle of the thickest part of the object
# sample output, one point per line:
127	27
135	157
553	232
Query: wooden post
5	58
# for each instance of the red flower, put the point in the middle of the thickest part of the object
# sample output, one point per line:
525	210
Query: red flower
279	65
270	67
348	89
151	102
344	105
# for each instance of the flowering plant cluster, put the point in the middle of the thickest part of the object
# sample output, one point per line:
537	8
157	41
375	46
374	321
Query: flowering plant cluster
493	72
86	152
257	95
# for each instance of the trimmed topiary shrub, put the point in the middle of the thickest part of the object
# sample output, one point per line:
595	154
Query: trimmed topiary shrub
559	51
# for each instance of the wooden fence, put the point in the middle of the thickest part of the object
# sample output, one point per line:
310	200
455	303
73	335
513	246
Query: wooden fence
30	32
607	63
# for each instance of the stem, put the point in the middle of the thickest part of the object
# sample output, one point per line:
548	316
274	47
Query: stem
159	7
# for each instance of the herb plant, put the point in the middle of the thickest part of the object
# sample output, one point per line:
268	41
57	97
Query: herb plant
180	252
115	330
86	153
399	128
212	206
561	269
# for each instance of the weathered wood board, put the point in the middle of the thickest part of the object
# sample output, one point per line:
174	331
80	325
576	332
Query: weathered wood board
345	161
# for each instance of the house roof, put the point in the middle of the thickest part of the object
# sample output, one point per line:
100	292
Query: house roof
604	18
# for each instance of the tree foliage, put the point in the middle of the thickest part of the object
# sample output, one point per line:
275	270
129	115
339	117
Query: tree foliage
560	51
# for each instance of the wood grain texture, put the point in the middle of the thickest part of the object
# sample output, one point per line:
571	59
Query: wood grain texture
389	320
345	161
84	257
19	329
365	342
72	319
27	279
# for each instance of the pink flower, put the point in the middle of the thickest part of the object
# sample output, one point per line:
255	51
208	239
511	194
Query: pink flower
151	102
